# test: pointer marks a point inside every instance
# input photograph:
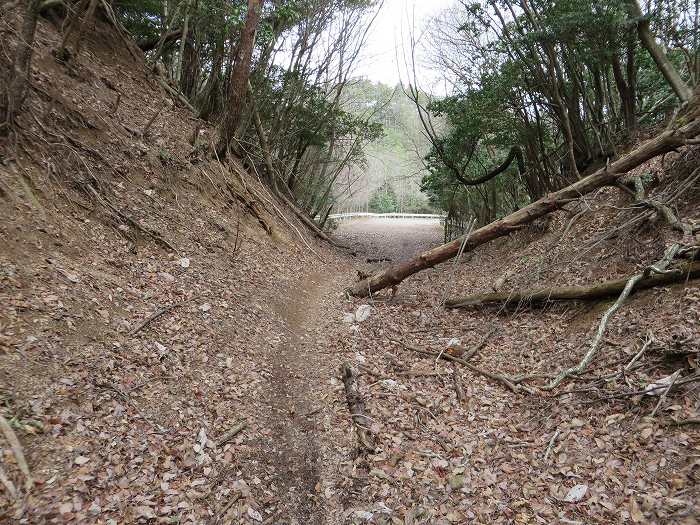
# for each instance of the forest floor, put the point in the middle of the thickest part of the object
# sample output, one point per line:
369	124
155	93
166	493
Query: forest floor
171	341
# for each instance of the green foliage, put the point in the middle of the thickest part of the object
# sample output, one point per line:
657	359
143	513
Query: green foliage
384	199
513	61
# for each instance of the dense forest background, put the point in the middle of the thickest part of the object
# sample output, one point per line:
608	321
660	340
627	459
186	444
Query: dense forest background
541	93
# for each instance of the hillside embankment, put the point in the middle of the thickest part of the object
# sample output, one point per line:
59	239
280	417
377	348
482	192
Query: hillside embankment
171	340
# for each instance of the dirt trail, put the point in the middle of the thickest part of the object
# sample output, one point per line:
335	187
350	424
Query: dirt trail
302	374
294	447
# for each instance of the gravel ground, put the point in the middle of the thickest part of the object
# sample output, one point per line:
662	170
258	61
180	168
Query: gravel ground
395	239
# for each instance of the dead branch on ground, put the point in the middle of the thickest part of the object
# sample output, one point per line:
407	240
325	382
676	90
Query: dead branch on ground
356	405
155	316
228	436
659	268
11	438
498	378
577	293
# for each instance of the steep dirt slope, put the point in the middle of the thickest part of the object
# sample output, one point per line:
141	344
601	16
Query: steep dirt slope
502	457
152	301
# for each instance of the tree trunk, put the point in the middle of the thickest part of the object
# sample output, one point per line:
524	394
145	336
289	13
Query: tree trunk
627	93
239	78
577	293
680	88
667	141
21	67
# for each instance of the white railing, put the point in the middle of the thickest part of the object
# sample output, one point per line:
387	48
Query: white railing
364	215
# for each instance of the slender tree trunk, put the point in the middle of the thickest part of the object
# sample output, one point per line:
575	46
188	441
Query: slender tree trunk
209	98
183	43
680	88
21	67
239	78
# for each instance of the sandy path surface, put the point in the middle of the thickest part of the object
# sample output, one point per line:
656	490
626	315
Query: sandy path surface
395	239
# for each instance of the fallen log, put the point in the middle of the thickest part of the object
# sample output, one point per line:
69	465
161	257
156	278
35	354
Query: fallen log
356	405
577	293
669	140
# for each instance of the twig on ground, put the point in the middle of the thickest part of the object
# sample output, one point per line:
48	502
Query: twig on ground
459	391
495	377
551	444
151	121
674	377
228	436
17	451
156	315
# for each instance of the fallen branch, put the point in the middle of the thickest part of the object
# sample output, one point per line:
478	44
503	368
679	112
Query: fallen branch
551	444
179	96
7	482
151	121
659	268
477	347
682	422
17	451
356	405
457	380
577	293
674	378
228	436
495	377
155	316
668	140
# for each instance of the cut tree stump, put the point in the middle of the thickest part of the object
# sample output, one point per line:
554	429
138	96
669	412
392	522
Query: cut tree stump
577	293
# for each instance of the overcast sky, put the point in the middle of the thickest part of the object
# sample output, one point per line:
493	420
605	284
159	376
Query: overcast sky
379	62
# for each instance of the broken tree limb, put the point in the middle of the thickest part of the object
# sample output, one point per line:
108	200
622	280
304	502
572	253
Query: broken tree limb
578	293
7	482
658	268
229	435
17	451
665	142
356	405
155	316
457	380
495	377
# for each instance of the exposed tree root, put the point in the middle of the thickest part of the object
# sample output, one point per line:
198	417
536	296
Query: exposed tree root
578	293
157	237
